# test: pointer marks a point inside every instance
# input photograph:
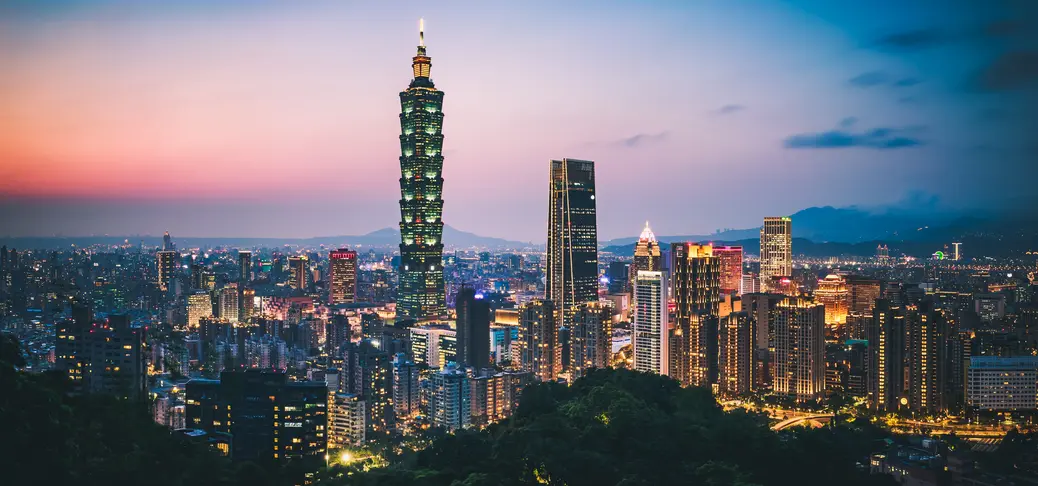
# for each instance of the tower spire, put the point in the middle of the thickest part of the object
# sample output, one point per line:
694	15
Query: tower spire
421	32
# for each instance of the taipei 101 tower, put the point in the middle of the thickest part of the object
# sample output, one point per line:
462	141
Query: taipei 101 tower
421	289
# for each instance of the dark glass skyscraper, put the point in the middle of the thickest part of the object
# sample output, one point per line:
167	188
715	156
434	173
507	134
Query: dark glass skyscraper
421	290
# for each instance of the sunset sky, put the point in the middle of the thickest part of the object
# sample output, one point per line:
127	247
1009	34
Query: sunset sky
280	118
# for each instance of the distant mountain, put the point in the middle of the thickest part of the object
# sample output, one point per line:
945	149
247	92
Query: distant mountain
385	237
829	224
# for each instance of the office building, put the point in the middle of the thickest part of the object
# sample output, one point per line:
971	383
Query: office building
750	283
342	276
651	337
337	333
591	337
618	274
832	292
696	291
862	294
433	345
167	242
761	308
473	328
100	356
737	354
730	268
267	416
572	250
199	306
168	261
1002	384
886	337
537	339
799	349
421	291
449	399
646	256
299	272
244	267
776	249
407	395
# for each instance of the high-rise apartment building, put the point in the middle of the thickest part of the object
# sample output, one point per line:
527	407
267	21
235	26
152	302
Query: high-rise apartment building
449	399
737	353
299	276
776	249
651	337
421	291
886	337
369	374
591	337
537	339
799	349
646	256
730	268
100	356
199	306
168	262
268	417
572	249
925	354
346	427
406	390
244	266
696	291
473	328
761	308
832	292
342	276
433	345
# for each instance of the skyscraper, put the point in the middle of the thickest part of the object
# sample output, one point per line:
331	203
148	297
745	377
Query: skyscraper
925	354
199	305
473	329
299	268
696	291
244	266
449	398
421	290
342	276
651	337
799	348
646	255
167	242
886	336
591	337
572	249
737	352
776	250
730	266
167	265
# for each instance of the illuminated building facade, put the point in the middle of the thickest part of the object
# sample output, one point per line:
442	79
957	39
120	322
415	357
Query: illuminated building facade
342	276
737	353
537	339
199	306
833	293
421	291
591	337
406	391
776	249
651	336
925	355
572	249
862	294
730	267
495	396
696	291
1002	383
228	301
346	426
432	345
244	266
886	337
799	349
369	374
268	417
100	356
168	261
449	399
646	255
299	278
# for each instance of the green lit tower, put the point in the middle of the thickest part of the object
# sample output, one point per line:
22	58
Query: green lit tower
421	289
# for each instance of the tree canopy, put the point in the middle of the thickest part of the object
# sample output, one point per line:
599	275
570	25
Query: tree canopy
625	428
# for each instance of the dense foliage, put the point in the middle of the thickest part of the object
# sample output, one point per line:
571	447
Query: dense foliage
618	427
53	438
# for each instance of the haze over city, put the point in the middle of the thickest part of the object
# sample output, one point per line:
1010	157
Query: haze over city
281	118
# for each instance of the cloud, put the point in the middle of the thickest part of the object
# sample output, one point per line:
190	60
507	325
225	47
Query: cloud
1009	71
642	139
848	122
906	82
729	109
912	40
868	80
842	137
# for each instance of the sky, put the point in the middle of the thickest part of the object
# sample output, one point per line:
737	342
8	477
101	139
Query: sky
281	119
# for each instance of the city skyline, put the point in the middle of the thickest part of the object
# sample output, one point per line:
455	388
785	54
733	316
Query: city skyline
165	129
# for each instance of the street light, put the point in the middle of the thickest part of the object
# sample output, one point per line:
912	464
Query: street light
345	457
